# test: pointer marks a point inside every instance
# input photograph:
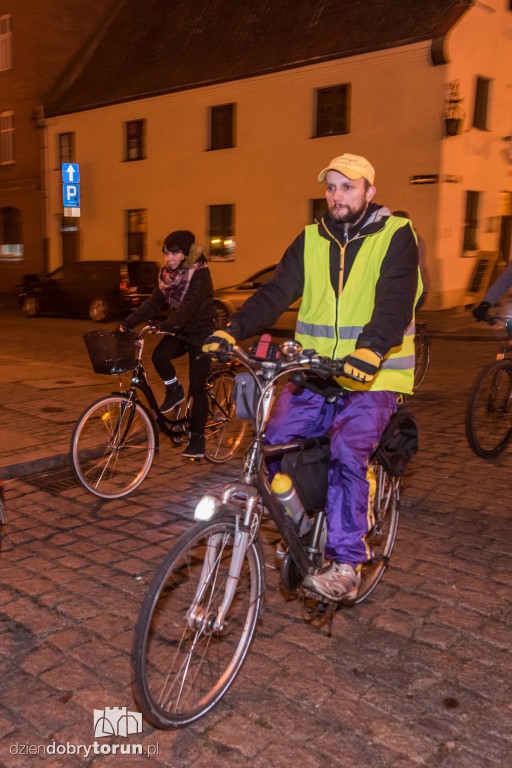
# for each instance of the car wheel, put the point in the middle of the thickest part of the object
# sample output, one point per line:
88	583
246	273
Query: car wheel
221	315
31	306
99	310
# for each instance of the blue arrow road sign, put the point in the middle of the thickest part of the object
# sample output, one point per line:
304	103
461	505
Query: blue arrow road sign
70	173
71	195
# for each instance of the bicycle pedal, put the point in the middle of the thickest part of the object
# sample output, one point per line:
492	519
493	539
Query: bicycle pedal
308	594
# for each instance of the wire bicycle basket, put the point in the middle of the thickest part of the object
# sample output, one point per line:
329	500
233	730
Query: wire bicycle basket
111	352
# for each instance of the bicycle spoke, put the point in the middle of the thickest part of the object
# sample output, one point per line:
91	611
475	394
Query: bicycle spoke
112	447
183	661
224	431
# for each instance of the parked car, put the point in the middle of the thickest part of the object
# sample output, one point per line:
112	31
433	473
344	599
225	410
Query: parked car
97	289
228	300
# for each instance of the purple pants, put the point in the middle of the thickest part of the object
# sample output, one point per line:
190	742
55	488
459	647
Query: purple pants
356	422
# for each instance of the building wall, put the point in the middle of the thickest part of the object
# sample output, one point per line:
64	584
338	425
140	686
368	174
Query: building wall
46	37
271	175
481	45
397	121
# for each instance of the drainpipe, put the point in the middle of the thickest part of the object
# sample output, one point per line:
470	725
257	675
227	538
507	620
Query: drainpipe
40	122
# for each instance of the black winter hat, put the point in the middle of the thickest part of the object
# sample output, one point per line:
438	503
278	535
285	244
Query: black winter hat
182	239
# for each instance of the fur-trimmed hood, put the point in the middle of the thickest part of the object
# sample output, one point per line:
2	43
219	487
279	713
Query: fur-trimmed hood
196	253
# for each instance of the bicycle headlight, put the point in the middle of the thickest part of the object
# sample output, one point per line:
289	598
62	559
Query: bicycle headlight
206	508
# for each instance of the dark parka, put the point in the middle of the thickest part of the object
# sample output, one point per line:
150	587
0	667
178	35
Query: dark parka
193	319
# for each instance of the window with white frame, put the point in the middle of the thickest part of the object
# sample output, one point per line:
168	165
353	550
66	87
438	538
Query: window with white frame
5	43
222	126
317	208
333	110
481	110
6	138
221	232
136	233
66	147
473	198
135	140
11	242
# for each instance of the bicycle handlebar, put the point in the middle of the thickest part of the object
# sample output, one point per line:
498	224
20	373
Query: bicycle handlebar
291	356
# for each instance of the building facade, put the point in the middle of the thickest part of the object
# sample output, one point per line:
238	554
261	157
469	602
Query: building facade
229	142
38	41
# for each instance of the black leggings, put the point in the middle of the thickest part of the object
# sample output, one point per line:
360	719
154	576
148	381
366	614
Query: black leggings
169	348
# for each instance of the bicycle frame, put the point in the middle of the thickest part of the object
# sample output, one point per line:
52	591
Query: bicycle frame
256	487
171	427
244	500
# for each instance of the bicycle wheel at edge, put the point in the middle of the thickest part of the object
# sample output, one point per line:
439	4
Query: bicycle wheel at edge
112	446
422	358
182	666
381	537
224	431
489	411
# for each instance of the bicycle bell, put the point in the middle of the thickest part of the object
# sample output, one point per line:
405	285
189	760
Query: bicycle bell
290	350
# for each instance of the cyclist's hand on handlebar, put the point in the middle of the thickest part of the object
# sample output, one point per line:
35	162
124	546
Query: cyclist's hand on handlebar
122	328
481	312
220	341
361	365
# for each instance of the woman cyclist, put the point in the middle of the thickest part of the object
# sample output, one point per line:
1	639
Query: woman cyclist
185	288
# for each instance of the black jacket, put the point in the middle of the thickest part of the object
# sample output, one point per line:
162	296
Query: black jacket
193	320
395	293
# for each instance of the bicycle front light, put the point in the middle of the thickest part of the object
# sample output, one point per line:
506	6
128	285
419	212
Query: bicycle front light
206	508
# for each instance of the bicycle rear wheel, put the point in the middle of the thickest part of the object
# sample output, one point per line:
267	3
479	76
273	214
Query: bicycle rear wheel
422	352
224	431
182	664
489	411
112	446
381	537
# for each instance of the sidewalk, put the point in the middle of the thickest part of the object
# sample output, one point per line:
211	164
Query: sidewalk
41	402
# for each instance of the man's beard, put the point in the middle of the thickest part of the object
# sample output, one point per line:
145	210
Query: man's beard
349	217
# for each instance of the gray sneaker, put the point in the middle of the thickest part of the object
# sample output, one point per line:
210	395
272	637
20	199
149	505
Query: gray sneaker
338	582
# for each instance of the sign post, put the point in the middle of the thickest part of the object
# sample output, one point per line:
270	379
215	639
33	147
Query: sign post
71	189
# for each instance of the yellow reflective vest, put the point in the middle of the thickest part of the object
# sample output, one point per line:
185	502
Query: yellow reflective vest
332	325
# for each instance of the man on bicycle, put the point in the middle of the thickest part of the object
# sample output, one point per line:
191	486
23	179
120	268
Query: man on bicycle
357	273
499	288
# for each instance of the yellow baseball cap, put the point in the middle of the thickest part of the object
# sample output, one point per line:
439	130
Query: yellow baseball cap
351	166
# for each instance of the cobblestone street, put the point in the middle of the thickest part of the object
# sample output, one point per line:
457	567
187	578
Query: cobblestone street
419	675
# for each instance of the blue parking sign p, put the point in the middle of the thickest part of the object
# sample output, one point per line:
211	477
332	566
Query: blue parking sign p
71	195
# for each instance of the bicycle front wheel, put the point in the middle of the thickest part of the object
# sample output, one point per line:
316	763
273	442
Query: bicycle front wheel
183	664
224	431
489	411
381	537
112	447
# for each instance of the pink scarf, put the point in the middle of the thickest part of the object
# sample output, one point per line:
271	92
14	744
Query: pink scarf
175	284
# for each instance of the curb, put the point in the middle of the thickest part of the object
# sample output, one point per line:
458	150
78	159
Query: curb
34	466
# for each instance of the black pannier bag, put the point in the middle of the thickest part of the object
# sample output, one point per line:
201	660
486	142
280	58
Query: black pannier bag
399	443
309	469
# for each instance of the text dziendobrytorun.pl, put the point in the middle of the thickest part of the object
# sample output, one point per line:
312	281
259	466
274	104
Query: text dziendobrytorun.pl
84	750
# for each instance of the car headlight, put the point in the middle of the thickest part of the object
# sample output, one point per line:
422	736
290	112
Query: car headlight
206	508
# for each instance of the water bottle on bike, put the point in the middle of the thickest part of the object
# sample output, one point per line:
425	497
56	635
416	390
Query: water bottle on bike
282	486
